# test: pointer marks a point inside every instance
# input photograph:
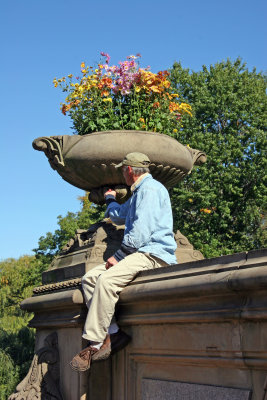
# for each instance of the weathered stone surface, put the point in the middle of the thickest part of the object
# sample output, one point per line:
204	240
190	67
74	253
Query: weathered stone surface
86	250
185	252
88	161
42	380
157	389
199	323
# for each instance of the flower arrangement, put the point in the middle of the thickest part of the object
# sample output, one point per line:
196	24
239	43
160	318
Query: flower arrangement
122	96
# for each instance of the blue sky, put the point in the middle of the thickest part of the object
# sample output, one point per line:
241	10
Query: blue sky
41	40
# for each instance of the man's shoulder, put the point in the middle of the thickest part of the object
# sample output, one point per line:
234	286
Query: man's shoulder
150	183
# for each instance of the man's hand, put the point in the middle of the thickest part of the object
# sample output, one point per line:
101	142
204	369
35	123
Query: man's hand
111	262
110	191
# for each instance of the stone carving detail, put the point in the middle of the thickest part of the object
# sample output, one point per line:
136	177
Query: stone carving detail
71	283
198	157
42	380
185	251
123	192
52	149
101	233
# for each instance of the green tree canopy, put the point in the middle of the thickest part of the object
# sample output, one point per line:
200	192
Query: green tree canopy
52	243
220	206
17	279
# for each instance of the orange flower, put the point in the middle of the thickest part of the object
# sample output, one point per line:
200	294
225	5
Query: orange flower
156	104
104	93
173	107
63	109
105	82
205	210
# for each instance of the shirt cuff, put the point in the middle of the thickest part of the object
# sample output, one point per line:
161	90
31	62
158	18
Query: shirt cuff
123	252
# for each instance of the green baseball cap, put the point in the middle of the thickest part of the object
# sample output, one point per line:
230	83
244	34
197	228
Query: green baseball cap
135	160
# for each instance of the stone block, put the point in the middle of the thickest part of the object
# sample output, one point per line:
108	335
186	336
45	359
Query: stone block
169	390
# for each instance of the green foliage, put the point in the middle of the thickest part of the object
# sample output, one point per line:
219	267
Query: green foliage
17	278
52	243
220	206
8	375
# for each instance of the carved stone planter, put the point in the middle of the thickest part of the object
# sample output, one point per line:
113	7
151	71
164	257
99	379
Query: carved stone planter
88	162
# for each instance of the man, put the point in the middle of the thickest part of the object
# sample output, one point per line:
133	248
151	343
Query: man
148	243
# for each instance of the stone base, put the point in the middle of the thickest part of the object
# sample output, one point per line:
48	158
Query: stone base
198	332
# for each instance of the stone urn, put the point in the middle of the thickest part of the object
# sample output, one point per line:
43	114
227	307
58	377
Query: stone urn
88	162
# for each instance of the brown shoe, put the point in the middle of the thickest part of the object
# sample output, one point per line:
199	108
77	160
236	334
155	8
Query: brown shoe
82	361
104	352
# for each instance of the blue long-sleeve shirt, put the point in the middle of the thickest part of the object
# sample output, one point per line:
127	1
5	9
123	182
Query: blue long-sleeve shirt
147	216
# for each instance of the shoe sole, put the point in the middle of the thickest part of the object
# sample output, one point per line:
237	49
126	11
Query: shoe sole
102	356
79	369
126	340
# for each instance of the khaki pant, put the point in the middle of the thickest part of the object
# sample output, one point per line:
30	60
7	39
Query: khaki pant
102	288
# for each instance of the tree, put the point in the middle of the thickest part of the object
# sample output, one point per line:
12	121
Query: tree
52	243
17	278
8	375
220	206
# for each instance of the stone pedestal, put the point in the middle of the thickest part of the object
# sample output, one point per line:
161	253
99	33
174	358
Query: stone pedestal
198	332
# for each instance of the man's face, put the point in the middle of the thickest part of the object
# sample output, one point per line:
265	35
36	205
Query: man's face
127	175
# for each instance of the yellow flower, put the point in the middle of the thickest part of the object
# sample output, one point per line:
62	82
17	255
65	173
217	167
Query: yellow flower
55	82
82	65
175	131
185	108
141	120
190	200
109	99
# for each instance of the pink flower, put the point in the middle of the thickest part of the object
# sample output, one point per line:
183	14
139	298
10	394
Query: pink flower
105	55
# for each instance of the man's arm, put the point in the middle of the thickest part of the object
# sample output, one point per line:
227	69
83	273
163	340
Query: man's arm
115	211
117	214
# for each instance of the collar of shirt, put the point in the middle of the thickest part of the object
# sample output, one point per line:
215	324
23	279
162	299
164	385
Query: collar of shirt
138	181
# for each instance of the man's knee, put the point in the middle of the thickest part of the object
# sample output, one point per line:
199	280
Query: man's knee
91	277
104	282
88	279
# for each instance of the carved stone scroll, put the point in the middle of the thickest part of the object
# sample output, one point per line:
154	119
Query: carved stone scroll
42	380
88	162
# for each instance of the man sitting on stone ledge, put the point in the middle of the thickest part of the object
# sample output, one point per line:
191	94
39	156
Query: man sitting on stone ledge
148	243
